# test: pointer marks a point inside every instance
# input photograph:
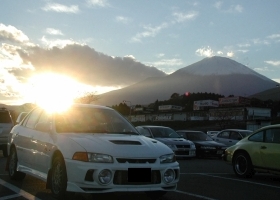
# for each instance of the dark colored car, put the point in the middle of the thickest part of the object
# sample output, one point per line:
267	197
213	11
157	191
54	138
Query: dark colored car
6	124
205	145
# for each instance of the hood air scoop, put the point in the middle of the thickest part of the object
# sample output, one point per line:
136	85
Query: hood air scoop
125	142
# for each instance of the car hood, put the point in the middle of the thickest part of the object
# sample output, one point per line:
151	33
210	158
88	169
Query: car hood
121	145
209	143
176	141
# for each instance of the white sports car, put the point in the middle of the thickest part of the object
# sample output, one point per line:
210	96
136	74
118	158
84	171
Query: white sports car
89	149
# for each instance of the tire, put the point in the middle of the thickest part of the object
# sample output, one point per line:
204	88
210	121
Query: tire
155	194
242	165
12	166
58	178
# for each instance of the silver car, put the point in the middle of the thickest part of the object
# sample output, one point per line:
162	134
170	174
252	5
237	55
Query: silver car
231	136
180	146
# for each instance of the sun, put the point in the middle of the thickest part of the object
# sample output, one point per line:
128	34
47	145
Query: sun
54	92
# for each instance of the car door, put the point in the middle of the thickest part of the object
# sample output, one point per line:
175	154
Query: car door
23	139
223	137
270	149
43	145
234	137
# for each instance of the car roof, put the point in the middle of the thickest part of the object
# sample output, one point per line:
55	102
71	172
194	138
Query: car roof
234	129
152	126
191	131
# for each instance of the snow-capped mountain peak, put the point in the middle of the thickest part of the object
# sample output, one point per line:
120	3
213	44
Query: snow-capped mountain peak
217	66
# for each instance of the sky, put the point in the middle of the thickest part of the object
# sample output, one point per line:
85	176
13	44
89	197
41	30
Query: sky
94	46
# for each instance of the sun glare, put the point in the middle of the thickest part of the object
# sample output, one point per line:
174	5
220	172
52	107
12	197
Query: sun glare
54	92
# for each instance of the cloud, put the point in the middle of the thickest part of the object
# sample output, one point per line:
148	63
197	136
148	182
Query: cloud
230	54
123	20
274	36
205	51
264	69
53	31
89	66
231	9
182	17
19	62
149	32
258	41
99	3
61	8
273	62
277	80
11	34
50	43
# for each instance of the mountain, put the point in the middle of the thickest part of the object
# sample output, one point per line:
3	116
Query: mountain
217	75
270	94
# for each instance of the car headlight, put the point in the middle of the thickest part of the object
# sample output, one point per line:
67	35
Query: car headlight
93	157
169	176
192	146
207	147
105	176
171	146
168	158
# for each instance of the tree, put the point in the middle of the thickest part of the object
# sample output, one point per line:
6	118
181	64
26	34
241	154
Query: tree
87	98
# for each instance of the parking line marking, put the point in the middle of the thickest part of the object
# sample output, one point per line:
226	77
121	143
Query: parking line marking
194	195
242	181
10	197
17	191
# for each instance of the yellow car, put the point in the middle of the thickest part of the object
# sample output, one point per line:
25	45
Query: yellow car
258	152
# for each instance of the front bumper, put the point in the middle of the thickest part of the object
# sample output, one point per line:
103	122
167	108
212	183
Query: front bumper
83	177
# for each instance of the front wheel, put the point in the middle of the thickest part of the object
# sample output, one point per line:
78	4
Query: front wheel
58	178
12	166
242	165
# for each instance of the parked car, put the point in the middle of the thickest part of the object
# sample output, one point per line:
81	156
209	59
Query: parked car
168	136
21	116
205	145
6	124
259	152
231	136
89	149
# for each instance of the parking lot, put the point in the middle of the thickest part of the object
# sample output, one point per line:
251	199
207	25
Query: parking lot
204	178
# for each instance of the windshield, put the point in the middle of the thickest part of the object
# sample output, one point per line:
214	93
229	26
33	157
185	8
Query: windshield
92	120
198	136
163	132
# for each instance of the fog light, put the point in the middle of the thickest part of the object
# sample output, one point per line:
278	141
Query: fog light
105	176
169	176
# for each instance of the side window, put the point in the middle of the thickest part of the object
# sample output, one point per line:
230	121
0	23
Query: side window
235	135
268	136
276	135
224	134
33	118
144	132
257	137
44	118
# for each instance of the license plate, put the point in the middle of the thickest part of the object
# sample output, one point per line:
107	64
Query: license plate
142	175
219	152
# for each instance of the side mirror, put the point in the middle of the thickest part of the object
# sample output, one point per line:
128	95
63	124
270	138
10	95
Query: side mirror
42	126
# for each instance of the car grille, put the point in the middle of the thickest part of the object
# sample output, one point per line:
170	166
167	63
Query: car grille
121	178
183	146
132	160
181	153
